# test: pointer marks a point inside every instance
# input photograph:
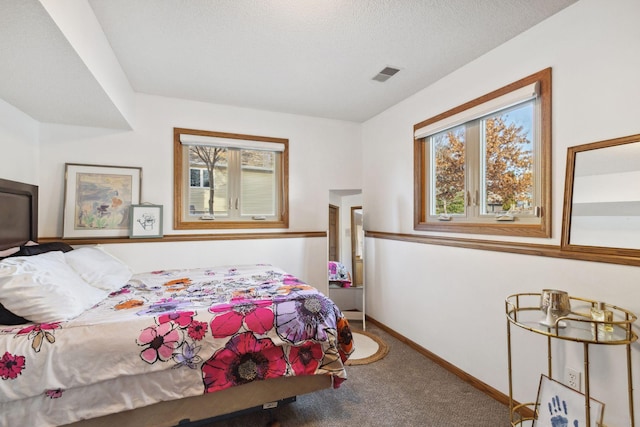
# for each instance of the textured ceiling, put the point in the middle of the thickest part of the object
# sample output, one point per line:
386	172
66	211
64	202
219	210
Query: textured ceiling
42	75
311	57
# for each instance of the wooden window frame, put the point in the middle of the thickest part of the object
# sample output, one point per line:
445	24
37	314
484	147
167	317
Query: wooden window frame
421	173
179	185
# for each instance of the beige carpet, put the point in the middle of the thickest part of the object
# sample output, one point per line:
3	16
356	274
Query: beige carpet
368	348
404	389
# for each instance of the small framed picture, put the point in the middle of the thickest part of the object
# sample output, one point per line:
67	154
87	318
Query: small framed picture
146	221
560	405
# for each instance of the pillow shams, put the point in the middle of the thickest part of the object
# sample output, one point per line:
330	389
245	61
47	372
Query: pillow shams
99	268
43	288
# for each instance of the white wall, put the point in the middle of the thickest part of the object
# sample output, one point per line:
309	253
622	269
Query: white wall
451	300
314	168
18	145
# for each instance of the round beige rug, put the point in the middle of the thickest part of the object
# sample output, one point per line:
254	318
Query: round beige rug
368	348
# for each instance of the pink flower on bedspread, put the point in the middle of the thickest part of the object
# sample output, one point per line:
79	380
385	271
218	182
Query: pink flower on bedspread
288	279
182	318
160	342
244	359
305	359
11	366
197	330
39	333
54	393
305	318
254	313
122	291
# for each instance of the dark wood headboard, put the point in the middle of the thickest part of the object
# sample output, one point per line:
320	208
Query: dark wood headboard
18	213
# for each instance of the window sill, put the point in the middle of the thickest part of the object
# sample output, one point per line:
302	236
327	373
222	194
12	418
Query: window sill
500	228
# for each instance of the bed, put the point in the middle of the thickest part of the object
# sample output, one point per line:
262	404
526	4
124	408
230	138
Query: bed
160	348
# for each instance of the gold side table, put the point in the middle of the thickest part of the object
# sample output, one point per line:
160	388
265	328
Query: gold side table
523	311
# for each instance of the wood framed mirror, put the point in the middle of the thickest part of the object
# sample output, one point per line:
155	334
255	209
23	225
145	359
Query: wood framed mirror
601	214
357	245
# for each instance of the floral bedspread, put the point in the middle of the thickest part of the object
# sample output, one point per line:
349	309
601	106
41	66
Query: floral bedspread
166	335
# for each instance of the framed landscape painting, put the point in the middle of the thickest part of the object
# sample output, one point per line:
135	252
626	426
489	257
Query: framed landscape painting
98	200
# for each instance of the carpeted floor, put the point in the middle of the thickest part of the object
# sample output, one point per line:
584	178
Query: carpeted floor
404	389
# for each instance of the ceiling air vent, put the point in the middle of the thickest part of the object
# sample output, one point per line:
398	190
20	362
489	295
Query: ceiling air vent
385	74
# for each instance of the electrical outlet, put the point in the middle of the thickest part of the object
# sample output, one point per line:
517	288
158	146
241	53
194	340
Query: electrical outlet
573	379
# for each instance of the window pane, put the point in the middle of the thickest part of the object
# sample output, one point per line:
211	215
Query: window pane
195	177
448	176
202	159
221	197
508	160
258	183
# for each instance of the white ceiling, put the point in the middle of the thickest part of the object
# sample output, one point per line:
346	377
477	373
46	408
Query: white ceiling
310	57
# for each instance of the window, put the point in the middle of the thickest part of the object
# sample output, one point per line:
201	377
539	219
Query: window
229	180
484	167
199	177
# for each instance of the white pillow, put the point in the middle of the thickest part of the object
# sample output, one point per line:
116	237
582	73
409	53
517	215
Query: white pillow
43	288
99	268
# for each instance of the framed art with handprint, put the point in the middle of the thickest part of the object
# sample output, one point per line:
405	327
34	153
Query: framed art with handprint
560	405
98	199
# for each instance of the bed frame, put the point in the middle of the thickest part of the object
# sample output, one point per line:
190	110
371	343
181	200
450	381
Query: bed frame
19	224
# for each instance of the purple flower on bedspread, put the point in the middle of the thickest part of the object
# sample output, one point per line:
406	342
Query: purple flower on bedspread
189	356
182	318
39	333
11	366
306	358
197	330
54	393
160	342
305	318
244	359
255	314
165	305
